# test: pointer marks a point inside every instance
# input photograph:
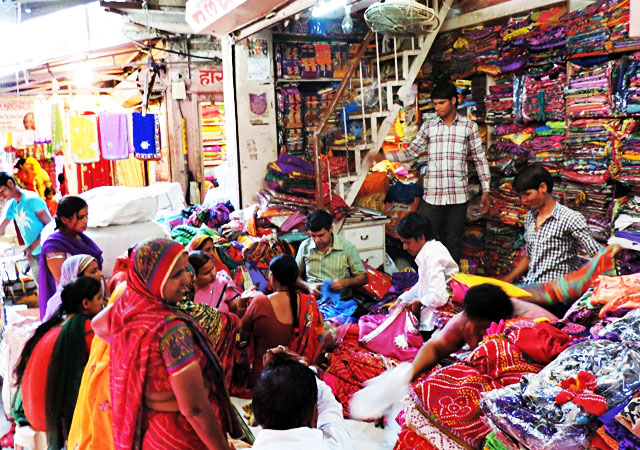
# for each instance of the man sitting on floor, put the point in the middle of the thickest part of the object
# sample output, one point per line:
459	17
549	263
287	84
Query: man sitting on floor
553	233
327	256
483	304
296	410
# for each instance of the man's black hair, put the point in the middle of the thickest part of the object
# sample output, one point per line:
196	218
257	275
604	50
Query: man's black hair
285	396
4	177
444	90
487	303
319	220
531	177
413	226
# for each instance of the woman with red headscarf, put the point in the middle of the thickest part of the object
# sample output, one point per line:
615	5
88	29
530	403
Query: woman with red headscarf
160	359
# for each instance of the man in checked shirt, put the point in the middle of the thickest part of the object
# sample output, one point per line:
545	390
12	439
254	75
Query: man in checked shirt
553	233
447	141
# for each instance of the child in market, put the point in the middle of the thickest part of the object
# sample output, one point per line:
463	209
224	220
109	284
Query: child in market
216	288
435	267
52	204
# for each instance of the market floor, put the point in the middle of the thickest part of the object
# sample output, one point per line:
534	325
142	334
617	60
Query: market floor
365	435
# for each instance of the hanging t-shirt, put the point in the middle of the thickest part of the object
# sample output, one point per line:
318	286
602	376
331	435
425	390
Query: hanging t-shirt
146	136
24	213
83	139
114	136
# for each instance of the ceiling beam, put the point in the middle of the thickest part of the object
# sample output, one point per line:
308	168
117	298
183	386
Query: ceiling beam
289	10
495	12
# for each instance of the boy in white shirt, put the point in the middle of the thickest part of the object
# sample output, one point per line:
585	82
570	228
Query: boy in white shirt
435	267
295	409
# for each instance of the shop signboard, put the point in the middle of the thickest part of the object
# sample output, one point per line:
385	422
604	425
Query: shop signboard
207	80
16	115
202	14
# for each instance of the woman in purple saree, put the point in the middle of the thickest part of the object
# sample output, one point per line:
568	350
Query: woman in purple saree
68	240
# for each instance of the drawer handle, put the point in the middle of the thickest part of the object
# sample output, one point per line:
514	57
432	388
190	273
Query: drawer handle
364	238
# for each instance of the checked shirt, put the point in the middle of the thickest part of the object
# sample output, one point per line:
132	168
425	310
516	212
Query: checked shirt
553	248
447	147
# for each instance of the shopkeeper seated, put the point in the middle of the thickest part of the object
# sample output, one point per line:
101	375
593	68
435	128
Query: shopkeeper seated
327	256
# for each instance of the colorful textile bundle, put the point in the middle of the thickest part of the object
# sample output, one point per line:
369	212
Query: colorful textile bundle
546	147
589	146
543	96
214	143
83	139
500	102
503	248
598	28
589	91
506	206
593	201
627	160
627	85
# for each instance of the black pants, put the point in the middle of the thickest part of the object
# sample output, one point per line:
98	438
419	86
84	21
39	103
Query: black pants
448	224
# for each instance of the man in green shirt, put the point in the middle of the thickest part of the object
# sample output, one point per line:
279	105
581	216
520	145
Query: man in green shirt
327	256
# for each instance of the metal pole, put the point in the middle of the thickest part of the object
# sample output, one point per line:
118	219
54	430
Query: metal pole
364	120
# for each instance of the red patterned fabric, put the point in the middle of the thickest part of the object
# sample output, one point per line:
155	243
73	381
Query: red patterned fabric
409	440
502	361
452	396
352	365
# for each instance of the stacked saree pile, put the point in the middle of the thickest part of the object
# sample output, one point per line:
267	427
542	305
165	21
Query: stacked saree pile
543	96
503	248
473	243
548	40
599	28
509	143
514	51
290	181
589	91
588	152
214	143
627	85
546	147
579	400
290	107
499	102
628	160
593	201
505	206
444	407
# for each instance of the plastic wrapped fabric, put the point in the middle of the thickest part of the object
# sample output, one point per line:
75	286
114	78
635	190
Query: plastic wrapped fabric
528	410
626	329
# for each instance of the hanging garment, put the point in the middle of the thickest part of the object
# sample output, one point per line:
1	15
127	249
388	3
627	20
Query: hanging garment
146	136
83	139
114	136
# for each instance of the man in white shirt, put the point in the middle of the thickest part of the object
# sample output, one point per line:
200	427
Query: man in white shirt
435	267
296	410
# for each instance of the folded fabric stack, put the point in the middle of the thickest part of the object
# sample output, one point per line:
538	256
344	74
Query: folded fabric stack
290	181
627	85
546	147
543	96
589	149
500	101
290	116
473	243
514	51
589	91
509	143
599	28
593	201
213	139
506	206
503	248
548	40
